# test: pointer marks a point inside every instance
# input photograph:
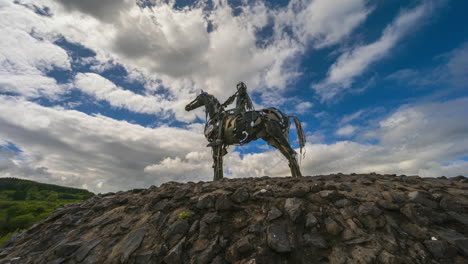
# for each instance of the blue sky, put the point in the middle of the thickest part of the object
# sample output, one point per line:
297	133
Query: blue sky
93	92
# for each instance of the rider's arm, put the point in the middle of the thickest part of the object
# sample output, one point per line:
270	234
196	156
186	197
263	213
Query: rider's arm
229	101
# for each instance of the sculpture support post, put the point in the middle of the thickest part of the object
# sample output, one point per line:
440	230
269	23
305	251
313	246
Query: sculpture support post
218	162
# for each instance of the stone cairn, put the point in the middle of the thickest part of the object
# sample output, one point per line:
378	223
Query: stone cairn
357	218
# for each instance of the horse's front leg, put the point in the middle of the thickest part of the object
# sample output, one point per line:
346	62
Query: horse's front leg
218	162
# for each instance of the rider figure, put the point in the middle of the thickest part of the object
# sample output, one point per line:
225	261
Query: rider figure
243	104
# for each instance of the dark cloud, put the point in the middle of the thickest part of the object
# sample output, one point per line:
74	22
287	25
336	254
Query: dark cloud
132	44
104	10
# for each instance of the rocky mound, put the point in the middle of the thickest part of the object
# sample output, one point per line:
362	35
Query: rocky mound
323	219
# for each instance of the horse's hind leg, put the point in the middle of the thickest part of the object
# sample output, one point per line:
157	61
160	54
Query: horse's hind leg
275	138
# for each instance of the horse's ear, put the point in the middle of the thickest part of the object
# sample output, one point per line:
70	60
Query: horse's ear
201	91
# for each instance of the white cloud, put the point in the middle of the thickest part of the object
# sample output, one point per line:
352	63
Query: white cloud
321	22
455	168
355	62
303	107
351	117
26	54
422	155
103	89
457	66
347	130
430	128
71	148
166	47
195	166
175	47
426	140
416	139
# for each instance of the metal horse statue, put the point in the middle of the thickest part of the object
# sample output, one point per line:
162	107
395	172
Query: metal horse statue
270	124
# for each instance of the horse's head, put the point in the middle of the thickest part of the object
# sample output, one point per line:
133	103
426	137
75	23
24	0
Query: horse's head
197	102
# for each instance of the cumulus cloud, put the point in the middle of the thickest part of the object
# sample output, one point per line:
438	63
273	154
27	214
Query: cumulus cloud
103	89
71	148
159	104
417	139
75	148
354	62
176	47
195	166
27	53
426	139
164	47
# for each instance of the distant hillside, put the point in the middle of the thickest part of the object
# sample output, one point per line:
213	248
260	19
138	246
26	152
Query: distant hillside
14	184
24	202
336	219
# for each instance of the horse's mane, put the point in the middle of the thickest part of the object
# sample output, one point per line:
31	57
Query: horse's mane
212	97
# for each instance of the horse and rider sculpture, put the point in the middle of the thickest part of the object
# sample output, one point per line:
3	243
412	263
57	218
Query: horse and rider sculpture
243	124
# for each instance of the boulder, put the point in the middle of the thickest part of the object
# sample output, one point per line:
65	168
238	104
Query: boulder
345	187
369	208
438	248
84	250
240	195
277	238
174	256
131	242
205	202
223	202
315	240
422	198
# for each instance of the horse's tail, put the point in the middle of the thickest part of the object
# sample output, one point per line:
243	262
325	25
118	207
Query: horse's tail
300	132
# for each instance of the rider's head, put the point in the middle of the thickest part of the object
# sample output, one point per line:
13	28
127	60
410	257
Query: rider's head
241	86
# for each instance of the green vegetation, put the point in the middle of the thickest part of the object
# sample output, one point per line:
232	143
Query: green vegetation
184	215
24	202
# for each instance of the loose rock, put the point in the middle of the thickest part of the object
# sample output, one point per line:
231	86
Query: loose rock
311	220
274	213
332	226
